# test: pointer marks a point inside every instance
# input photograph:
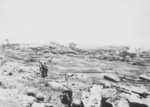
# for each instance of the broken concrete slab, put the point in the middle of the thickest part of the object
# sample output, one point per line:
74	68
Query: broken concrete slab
108	93
122	103
92	98
134	98
56	85
77	103
49	105
106	103
146	101
105	83
94	101
112	77
70	74
138	90
85	98
144	77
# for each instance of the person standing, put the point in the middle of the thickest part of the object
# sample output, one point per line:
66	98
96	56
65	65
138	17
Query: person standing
43	69
66	97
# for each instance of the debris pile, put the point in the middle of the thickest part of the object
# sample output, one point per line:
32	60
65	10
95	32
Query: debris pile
73	77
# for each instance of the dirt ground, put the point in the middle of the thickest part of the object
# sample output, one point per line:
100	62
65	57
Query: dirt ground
17	74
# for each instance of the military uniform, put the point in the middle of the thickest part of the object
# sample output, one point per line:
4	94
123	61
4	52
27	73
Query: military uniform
66	97
43	69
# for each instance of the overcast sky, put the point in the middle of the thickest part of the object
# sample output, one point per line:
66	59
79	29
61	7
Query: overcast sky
87	22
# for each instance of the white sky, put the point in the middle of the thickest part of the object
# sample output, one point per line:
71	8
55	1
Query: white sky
87	22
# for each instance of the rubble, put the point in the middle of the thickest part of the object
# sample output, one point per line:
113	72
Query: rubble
122	103
103	88
56	86
144	77
49	105
111	77
93	97
146	101
77	103
108	93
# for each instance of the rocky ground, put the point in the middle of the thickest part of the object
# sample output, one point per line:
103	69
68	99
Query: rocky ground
20	72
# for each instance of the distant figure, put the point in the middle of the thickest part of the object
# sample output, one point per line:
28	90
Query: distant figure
43	69
46	69
66	97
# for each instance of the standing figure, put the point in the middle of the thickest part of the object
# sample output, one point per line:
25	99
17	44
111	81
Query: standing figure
43	69
66	97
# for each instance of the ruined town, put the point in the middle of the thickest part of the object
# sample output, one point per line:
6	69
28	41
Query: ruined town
54	75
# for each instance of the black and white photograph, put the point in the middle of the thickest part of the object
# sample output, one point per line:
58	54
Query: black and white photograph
74	53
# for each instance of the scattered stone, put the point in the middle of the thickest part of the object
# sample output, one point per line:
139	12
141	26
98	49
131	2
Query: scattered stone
85	98
49	105
108	93
70	74
105	103
105	84
46	84
40	97
10	73
144	77
27	100
77	103
31	92
25	105
138	90
111	77
146	101
122	103
21	70
95	96
38	104
134	98
56	86
73	84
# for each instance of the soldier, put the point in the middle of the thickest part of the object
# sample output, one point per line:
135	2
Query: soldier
39	101
43	69
66	97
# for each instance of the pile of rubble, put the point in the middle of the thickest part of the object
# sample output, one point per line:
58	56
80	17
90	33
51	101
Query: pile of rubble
116	94
111	93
